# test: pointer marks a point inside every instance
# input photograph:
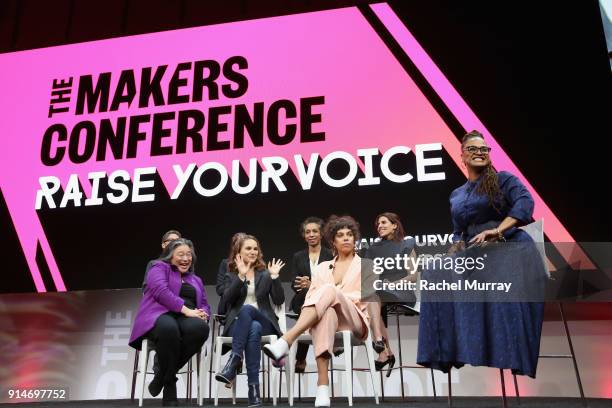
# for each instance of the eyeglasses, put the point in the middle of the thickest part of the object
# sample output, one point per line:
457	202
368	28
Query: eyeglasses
481	149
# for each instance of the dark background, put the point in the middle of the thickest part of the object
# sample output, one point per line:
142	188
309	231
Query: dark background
537	75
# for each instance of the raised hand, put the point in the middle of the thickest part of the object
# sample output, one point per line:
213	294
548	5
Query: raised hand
242	267
274	267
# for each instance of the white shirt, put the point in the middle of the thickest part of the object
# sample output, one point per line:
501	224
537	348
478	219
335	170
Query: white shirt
250	297
313	266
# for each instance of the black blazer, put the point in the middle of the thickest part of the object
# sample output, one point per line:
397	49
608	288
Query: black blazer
300	266
265	288
220	285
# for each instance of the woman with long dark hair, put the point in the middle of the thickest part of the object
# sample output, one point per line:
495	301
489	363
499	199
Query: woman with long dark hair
391	244
249	287
173	314
482	329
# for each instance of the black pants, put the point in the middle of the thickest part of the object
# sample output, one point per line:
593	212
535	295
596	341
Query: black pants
296	305
384	313
177	338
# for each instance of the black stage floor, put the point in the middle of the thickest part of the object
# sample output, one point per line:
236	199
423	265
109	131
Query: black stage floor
416	402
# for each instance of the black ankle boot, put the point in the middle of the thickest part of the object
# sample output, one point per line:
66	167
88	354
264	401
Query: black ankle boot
169	399
156	367
229	372
254	400
156	385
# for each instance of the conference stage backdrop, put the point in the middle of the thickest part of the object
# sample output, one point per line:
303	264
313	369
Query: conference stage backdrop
248	126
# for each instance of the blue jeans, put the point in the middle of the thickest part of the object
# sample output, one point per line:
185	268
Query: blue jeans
246	332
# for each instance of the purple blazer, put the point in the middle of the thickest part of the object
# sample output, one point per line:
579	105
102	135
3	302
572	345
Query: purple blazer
161	295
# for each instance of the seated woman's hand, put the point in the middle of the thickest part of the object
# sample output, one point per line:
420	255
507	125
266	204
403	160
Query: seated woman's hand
301	283
203	314
199	313
490	235
274	267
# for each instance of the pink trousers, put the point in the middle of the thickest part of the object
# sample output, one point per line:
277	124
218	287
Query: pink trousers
336	312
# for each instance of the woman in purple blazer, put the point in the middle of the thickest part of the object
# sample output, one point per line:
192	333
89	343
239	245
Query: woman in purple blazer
173	314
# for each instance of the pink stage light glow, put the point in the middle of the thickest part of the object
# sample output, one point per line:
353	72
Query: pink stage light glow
370	101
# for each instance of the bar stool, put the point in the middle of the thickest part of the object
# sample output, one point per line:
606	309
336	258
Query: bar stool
141	360
337	352
402	309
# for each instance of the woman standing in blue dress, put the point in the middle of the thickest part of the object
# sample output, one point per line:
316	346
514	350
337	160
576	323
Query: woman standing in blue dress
488	207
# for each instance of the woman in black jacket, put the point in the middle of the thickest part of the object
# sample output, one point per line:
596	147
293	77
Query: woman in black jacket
249	287
304	262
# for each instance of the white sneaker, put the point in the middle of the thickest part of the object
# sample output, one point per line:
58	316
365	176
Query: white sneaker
278	350
322	399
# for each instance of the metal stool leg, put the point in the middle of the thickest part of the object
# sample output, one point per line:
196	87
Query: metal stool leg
189	371
331	380
280	384
199	372
399	350
350	375
263	376
503	386
433	384
516	389
212	351
135	372
450	389
571	347
268	375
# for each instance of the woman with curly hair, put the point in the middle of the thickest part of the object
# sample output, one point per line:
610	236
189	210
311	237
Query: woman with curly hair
333	302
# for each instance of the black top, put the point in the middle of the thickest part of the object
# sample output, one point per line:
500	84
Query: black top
300	263
221	271
220	285
188	294
390	249
300	266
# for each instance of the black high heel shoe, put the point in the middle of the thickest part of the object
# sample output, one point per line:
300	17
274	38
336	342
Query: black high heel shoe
379	365
391	361
379	345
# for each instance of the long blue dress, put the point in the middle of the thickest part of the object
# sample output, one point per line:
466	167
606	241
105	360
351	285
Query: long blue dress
494	334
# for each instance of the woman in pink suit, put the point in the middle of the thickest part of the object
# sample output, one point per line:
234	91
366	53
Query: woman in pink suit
333	302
